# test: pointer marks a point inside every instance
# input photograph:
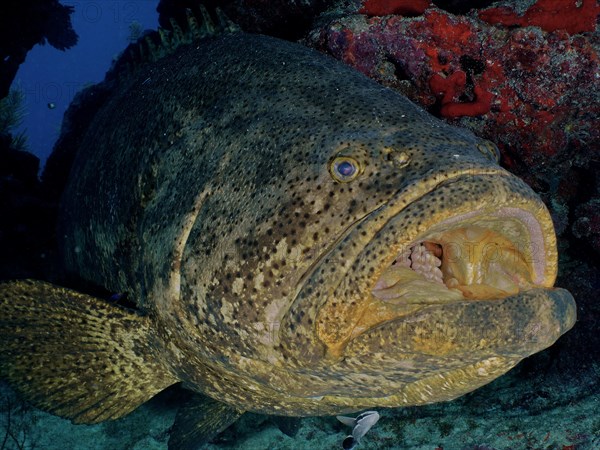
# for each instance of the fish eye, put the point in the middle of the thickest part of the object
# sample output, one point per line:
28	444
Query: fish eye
344	169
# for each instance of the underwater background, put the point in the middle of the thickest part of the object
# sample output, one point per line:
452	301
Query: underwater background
524	74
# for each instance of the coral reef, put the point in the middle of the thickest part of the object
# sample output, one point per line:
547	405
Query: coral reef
387	7
532	88
25	24
550	15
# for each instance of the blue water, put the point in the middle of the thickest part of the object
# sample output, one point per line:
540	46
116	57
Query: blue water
53	76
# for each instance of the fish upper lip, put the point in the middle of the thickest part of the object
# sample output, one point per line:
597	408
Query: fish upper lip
305	277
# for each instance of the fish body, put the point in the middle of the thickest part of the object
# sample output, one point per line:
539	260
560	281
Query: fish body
361	425
299	239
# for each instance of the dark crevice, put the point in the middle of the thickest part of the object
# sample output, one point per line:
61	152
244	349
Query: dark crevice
399	70
471	65
461	6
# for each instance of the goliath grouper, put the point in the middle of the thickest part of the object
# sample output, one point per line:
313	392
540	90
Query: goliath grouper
299	240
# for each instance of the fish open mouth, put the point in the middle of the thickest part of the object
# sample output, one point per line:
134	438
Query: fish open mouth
470	245
479	259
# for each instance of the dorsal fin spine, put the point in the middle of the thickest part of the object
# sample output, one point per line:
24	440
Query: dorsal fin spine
193	26
178	36
225	23
154	46
208	26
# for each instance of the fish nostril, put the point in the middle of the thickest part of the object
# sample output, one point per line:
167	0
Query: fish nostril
401	159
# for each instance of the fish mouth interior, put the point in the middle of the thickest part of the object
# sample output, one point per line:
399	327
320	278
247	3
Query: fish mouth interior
476	260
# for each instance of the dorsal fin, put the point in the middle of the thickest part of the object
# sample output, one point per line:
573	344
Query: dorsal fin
155	45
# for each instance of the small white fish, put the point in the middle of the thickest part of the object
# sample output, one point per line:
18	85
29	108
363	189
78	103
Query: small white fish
361	424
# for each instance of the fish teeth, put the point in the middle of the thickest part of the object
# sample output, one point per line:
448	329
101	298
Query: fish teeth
424	262
403	258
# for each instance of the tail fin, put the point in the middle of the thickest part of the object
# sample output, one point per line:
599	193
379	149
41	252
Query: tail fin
75	355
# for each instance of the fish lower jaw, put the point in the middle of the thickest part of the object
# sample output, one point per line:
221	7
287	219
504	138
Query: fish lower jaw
465	263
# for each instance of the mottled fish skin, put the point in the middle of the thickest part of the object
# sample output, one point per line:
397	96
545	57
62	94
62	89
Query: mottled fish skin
204	189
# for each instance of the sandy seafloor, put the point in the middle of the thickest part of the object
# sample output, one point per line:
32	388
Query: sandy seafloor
517	411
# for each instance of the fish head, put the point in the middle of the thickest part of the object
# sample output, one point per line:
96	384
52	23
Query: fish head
444	285
373	257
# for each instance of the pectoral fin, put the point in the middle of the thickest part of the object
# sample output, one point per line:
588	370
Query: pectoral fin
74	355
199	420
